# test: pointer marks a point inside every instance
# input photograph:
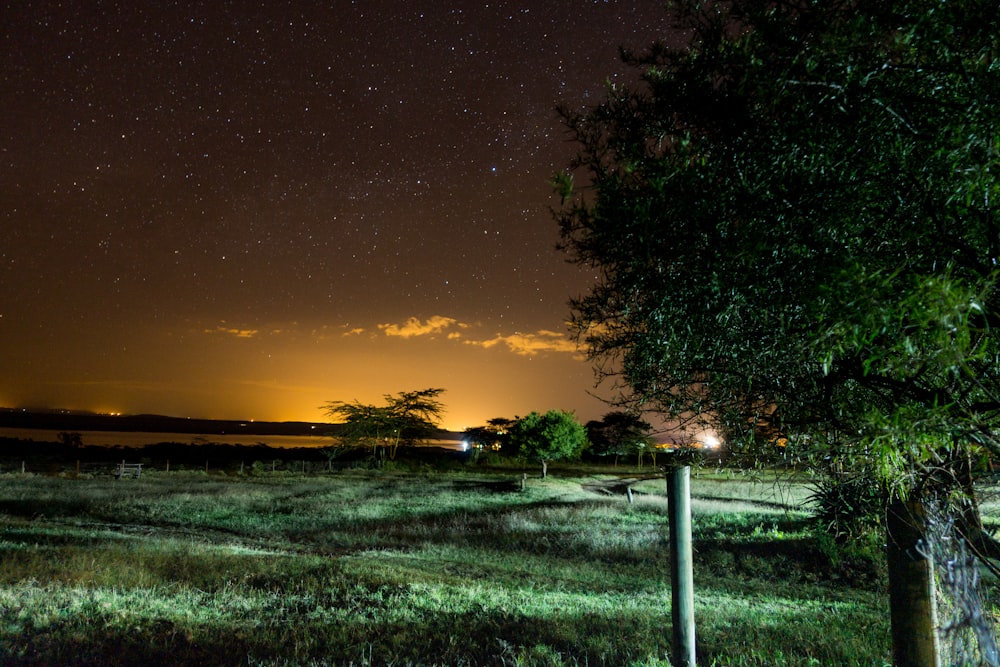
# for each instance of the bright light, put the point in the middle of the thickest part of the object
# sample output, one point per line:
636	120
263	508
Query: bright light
711	442
465	445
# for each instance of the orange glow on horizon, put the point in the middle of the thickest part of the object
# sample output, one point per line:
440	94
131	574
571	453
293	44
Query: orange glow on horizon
292	373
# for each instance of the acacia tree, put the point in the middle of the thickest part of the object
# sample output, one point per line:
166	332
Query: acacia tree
406	418
793	221
554	436
618	434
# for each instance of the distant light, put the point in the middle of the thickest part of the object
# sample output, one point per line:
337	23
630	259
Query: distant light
711	441
465	445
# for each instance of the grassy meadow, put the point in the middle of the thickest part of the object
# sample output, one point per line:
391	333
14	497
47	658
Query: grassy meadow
425	567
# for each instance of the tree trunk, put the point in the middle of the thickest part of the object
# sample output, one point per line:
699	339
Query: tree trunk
970	520
913	611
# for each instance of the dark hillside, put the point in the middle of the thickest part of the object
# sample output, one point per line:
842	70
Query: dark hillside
67	420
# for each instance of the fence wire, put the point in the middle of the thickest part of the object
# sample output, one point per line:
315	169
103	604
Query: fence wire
966	631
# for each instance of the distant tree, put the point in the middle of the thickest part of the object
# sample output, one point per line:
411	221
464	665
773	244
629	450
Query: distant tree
502	426
478	437
494	436
70	439
554	436
619	434
406	418
600	444
417	414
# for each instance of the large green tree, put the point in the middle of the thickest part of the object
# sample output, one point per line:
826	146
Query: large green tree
553	436
406	418
793	220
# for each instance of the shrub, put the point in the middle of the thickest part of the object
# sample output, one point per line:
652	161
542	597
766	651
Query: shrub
848	505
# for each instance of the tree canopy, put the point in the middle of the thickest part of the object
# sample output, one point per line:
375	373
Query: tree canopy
553	436
406	418
793	221
794	225
619	434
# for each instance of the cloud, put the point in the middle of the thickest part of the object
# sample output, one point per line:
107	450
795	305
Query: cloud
440	327
230	331
527	344
326	332
414	327
524	344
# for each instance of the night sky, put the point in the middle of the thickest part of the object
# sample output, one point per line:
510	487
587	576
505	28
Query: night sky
245	210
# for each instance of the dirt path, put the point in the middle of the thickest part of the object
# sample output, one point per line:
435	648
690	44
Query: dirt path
615	487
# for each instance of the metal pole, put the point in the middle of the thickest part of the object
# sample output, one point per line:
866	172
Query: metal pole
681	565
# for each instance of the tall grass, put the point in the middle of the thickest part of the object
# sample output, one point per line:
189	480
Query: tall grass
368	568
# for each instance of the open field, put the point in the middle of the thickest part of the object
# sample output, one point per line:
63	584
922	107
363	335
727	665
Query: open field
457	567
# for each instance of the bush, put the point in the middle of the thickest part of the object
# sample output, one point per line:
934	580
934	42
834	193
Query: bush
848	506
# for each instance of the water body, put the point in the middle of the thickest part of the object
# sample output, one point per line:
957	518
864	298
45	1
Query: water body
141	438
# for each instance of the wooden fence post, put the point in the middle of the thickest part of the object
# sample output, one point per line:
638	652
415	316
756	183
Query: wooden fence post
681	565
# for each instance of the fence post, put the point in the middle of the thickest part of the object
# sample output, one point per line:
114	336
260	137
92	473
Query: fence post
681	565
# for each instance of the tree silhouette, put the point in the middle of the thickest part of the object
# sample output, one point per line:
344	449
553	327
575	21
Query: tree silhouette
406	419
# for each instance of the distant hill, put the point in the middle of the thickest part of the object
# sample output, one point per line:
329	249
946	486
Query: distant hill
76	420
71	420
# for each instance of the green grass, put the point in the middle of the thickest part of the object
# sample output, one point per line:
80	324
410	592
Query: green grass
368	568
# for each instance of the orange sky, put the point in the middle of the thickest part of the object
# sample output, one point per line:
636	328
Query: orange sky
285	372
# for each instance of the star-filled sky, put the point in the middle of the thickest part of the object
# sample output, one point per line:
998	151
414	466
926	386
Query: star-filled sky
244	210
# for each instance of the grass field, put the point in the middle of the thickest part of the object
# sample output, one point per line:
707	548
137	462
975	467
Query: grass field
418	568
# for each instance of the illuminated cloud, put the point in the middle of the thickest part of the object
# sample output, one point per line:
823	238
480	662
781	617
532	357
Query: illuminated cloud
230	331
326	333
524	344
527	344
414	327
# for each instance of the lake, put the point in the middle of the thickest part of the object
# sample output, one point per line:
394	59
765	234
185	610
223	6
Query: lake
141	438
